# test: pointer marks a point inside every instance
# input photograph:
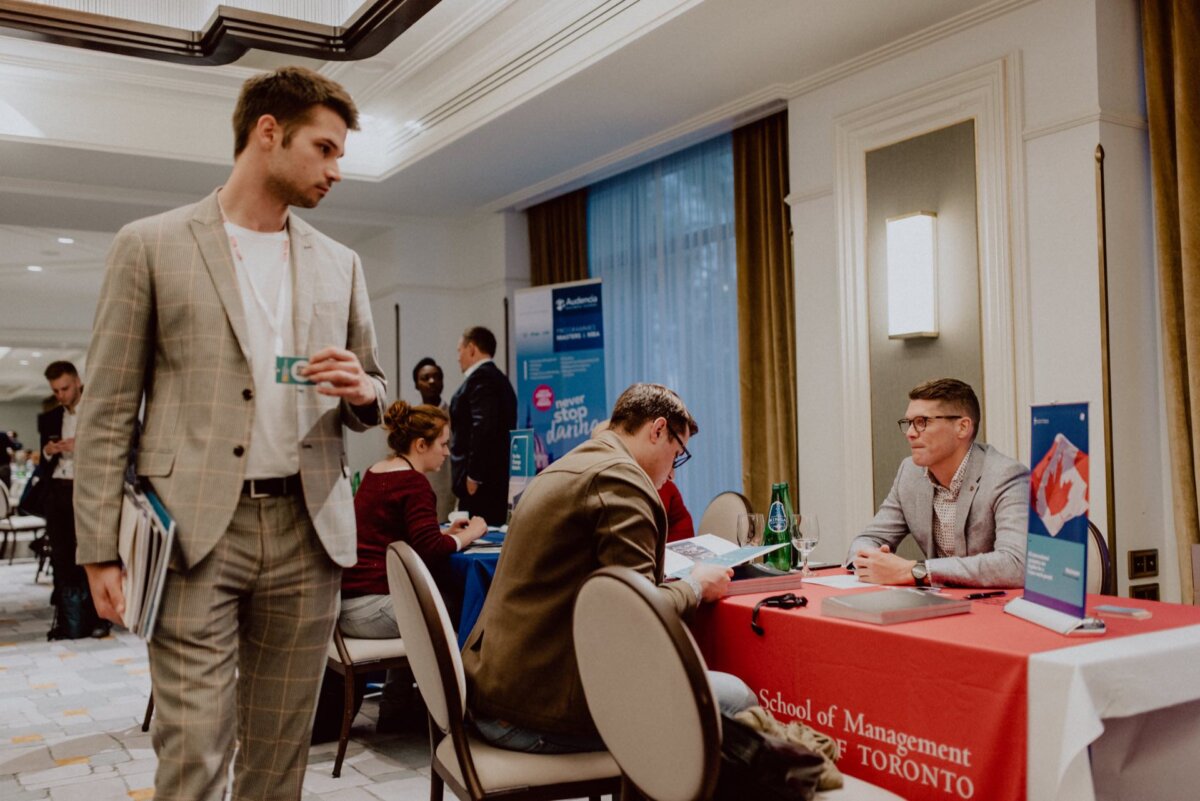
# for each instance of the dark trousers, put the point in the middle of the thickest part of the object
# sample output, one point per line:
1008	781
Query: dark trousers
6	478
490	502
60	530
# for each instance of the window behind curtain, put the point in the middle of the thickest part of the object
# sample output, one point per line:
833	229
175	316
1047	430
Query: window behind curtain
662	239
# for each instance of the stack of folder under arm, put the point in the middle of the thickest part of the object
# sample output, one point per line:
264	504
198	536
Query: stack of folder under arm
146	537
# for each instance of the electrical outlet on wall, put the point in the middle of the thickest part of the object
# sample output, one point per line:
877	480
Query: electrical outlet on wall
1147	592
1143	563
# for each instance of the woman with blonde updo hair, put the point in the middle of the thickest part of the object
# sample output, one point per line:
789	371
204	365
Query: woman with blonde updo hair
396	502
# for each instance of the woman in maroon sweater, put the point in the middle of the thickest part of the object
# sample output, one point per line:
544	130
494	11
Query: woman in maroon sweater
396	502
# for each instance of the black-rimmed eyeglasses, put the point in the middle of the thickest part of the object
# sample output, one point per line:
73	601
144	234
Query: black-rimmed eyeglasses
919	423
682	458
789	600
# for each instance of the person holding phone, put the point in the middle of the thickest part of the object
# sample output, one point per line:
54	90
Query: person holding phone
74	613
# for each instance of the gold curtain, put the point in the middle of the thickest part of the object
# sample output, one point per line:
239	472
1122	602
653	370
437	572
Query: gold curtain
558	239
766	308
1170	42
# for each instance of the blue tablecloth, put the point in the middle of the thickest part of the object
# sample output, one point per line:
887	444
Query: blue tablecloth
475	570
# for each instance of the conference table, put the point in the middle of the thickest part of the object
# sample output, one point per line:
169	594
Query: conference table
981	705
474	569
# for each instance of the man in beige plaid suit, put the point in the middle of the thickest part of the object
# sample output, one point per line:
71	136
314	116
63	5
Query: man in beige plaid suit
197	303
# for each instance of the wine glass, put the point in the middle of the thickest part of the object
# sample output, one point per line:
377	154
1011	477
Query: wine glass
749	528
806	533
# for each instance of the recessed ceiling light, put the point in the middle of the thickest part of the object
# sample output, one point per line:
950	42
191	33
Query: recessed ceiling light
66	240
24	362
37	354
34	268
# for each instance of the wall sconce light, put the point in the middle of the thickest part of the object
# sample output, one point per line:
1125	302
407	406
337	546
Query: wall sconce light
912	276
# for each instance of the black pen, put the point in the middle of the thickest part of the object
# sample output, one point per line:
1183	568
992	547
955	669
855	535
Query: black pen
978	596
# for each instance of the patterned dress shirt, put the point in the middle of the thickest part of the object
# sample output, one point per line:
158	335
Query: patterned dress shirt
945	511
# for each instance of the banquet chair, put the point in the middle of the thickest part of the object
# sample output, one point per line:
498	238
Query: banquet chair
669	717
351	657
473	768
1099	563
720	516
14	526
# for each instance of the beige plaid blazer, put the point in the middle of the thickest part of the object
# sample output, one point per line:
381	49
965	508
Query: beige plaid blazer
170	330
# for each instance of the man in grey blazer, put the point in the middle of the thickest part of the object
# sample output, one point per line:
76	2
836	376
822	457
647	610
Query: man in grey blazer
196	306
965	504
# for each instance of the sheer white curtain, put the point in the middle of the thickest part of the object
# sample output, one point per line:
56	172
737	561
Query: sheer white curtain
662	239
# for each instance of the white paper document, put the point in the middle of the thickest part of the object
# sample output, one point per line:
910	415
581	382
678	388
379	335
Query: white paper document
682	555
847	582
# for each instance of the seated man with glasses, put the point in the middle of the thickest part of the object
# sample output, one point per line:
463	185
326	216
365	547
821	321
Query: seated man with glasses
965	504
596	506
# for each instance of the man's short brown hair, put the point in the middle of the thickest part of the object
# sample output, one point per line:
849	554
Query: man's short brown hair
956	394
56	370
288	94
481	338
644	403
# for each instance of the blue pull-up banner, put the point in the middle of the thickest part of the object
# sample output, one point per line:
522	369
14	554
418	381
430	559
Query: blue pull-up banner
1056	554
560	365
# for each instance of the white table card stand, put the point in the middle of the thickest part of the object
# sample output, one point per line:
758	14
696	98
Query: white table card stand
1053	619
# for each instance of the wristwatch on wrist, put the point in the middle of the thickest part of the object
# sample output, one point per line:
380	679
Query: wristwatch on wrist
920	574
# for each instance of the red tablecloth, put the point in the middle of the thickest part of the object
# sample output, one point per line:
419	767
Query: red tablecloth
931	709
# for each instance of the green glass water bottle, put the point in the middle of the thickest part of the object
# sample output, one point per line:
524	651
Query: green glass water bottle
779	521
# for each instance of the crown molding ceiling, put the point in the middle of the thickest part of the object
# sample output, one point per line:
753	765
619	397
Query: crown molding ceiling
227	35
466	62
480	106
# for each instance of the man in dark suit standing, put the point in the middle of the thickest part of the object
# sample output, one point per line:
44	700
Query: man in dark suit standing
75	616
482	412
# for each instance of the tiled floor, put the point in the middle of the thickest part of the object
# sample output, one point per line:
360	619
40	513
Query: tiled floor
71	712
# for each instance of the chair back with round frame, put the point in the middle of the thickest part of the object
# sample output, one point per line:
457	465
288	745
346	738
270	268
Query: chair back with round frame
624	628
664	729
1099	564
471	767
721	514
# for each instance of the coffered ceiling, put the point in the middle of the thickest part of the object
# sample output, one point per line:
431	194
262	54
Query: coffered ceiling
481	105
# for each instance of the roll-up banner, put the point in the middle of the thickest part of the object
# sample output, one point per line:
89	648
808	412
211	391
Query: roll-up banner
560	365
1056	556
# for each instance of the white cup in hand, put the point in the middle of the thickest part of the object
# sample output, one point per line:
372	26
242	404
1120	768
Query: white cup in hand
459	515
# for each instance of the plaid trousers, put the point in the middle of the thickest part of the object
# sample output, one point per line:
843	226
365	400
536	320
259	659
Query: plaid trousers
240	646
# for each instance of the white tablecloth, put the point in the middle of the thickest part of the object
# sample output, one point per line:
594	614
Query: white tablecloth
1137	698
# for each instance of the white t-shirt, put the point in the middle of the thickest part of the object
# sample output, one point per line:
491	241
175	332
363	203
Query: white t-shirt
264	271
